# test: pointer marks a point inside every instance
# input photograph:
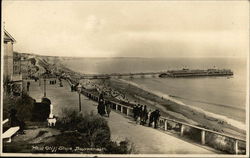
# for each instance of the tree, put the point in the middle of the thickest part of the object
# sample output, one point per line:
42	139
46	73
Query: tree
33	61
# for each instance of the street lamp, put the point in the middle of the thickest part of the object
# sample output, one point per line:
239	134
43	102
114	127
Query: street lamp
79	89
44	88
39	79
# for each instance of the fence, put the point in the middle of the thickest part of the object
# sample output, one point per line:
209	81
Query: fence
217	140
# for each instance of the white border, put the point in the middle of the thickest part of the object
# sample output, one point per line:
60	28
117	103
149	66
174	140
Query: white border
128	155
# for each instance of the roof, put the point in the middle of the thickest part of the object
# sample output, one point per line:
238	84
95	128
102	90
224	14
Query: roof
8	37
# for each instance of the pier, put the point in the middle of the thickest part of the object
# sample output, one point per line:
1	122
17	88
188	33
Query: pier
171	73
120	75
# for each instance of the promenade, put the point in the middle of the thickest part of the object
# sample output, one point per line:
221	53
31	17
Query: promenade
146	140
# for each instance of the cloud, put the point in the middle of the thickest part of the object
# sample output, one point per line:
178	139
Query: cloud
129	28
162	43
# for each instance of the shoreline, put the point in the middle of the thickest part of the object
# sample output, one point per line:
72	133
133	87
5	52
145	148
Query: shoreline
233	122
200	117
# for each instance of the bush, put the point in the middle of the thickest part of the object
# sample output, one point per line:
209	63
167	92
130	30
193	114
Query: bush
23	104
124	147
87	131
24	107
8	103
93	127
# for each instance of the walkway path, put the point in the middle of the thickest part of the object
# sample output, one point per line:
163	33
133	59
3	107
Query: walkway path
146	140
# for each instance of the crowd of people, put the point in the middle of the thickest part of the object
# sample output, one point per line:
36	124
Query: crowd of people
141	115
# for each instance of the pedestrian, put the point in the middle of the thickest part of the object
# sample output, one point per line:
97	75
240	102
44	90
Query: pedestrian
150	119
28	86
101	108
134	111
149	113
108	109
144	115
61	85
154	117
136	114
140	113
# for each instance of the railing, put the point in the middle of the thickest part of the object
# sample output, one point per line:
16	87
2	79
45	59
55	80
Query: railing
217	140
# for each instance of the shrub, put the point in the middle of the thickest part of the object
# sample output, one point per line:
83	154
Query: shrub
8	103
23	104
124	147
87	131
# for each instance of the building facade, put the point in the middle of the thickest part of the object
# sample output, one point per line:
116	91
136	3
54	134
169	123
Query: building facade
12	77
8	56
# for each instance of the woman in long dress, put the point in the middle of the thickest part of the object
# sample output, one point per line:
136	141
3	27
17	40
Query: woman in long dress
108	109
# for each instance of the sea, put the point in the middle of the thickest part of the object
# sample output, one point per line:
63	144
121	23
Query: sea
221	97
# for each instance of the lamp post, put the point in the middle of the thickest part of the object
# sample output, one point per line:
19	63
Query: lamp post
39	79
79	88
44	88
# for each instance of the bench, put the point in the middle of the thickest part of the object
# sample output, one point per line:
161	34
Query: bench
5	121
9	133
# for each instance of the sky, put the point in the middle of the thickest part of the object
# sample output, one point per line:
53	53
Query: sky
129	28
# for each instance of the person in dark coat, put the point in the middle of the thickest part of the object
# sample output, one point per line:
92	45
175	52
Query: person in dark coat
154	117
134	111
140	110
101	108
28	86
137	112
144	115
